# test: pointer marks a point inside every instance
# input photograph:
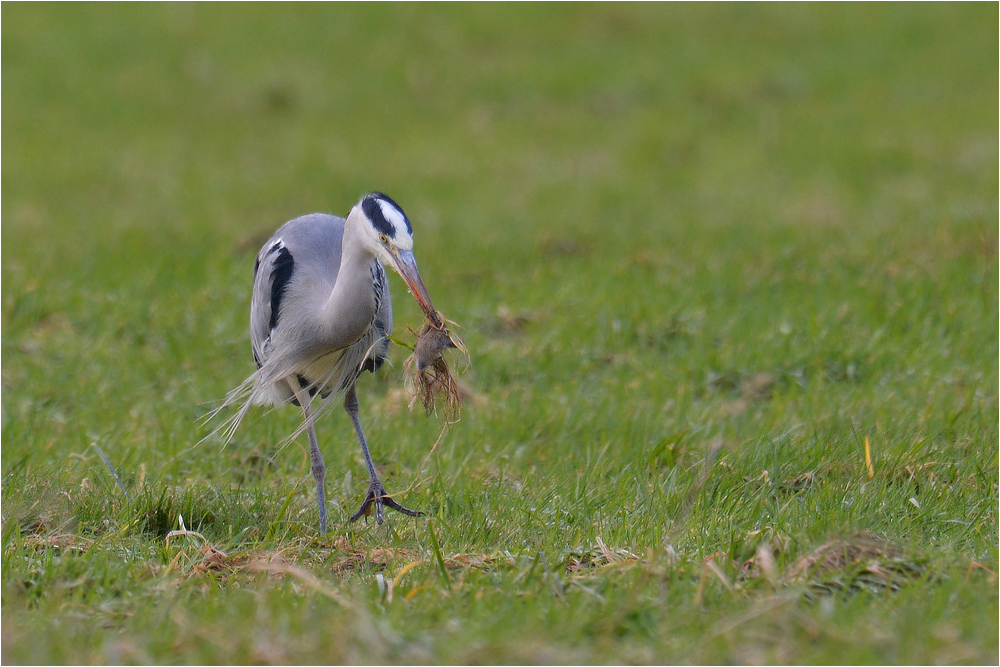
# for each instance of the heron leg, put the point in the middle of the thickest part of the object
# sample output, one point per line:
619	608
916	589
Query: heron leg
376	491
317	464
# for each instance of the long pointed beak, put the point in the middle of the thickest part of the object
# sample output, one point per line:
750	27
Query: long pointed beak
406	266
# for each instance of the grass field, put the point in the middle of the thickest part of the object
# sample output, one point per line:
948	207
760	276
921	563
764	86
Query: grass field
727	275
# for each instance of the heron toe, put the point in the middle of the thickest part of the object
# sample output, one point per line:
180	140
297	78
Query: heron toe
378	497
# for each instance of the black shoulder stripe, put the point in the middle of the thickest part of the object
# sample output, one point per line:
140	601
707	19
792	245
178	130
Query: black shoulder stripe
373	363
281	274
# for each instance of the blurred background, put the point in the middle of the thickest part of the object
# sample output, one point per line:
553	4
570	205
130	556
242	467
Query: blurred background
638	209
728	278
190	123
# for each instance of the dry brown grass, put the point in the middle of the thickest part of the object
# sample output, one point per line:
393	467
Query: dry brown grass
426	371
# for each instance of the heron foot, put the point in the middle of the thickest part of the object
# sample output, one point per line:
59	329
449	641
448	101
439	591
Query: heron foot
378	497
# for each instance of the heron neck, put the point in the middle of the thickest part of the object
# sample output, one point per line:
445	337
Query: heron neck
351	307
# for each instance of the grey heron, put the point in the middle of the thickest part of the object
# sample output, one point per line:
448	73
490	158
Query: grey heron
320	316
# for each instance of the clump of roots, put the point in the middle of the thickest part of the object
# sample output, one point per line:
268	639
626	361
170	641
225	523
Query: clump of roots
426	372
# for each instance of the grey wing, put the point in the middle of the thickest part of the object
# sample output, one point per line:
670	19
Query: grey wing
309	245
272	272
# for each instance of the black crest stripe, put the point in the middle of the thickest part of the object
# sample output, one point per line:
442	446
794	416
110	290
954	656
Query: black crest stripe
281	274
373	210
386	198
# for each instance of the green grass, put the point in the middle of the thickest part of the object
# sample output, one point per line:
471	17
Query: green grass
701	255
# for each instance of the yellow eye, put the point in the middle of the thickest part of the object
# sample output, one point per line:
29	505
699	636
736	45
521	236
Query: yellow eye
383	238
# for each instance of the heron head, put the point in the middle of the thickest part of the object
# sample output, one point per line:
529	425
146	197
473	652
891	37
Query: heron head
390	236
